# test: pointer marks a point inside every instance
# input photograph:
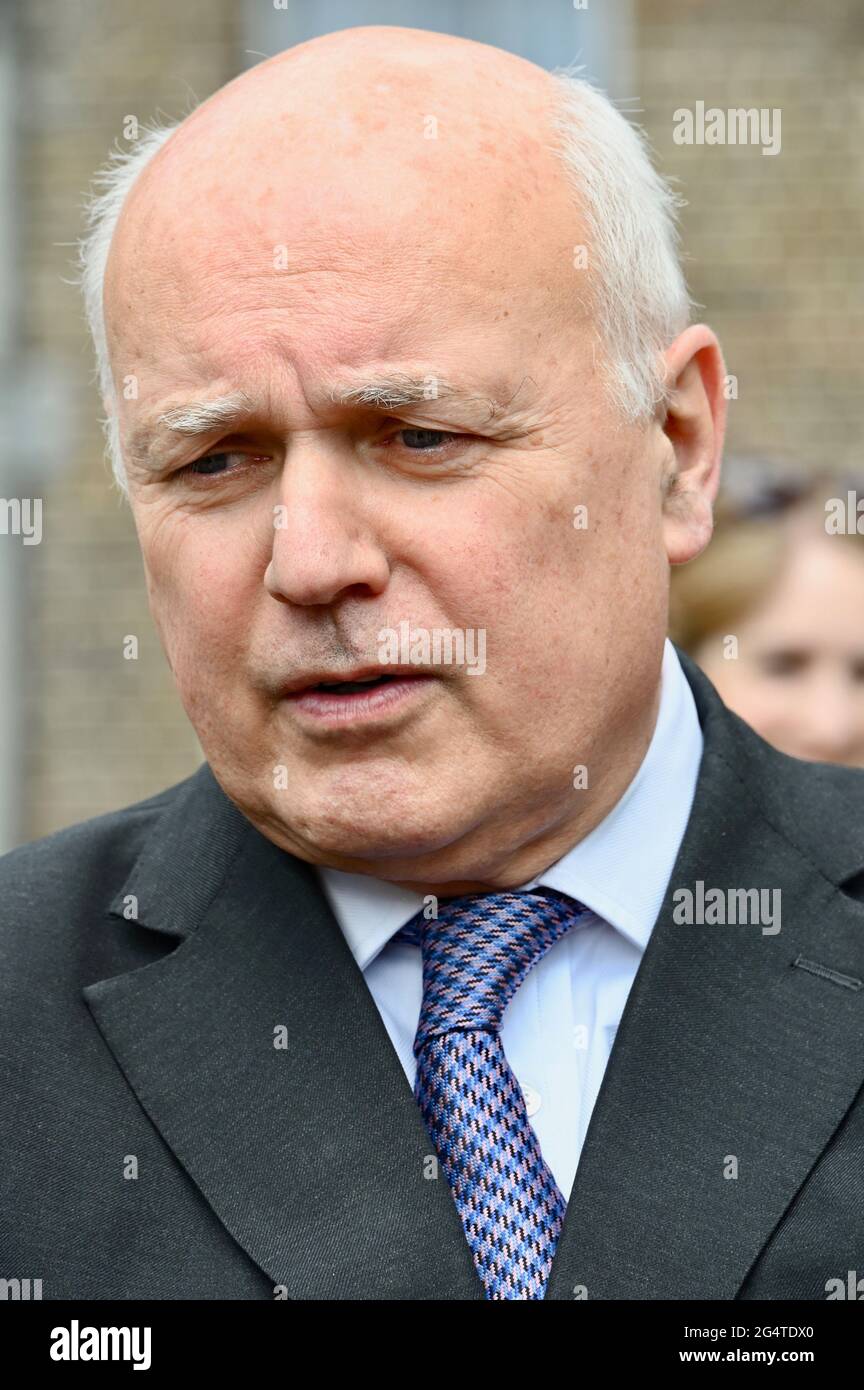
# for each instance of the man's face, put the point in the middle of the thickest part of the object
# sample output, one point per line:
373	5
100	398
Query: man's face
311	523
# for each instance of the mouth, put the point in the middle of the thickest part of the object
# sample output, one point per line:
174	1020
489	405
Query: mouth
364	679
365	698
351	687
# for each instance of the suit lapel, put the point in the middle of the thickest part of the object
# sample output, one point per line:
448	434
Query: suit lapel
727	1050
312	1153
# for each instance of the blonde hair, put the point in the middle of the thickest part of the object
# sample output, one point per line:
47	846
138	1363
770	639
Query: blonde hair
751	543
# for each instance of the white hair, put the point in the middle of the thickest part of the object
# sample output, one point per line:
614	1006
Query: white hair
634	282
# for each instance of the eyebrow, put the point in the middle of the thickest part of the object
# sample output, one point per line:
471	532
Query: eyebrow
394	392
197	419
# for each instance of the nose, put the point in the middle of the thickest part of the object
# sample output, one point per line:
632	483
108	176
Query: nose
324	535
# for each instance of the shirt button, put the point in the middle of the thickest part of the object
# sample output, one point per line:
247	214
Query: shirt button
532	1100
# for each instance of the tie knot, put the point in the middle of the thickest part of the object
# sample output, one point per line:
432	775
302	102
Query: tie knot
477	952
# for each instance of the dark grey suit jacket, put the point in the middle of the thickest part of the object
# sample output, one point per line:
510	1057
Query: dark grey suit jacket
148	1046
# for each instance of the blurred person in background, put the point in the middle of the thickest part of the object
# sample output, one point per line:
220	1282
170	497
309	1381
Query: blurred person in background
773	612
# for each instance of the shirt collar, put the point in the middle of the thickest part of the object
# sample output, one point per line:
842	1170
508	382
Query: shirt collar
620	870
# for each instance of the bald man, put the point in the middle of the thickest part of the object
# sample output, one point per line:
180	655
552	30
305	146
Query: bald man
488	955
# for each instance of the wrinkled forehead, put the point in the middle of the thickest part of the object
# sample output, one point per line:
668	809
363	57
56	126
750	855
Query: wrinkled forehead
406	200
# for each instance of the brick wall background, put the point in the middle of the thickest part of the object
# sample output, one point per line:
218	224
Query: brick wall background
774	255
100	731
774	242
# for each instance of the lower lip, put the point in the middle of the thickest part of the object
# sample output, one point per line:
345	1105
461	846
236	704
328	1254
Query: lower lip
360	706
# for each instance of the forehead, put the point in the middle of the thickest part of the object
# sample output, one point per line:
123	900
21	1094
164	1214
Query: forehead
336	246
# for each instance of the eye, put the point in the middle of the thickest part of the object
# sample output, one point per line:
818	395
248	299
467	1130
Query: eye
783	663
209	465
422	440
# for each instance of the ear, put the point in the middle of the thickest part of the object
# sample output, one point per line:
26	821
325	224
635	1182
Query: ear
694	425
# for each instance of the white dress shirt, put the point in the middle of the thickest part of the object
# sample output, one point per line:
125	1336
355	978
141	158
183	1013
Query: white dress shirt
559	1028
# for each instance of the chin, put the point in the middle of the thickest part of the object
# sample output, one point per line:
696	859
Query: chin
366	827
372	837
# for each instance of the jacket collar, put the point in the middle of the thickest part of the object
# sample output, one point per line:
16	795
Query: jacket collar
313	1153
619	870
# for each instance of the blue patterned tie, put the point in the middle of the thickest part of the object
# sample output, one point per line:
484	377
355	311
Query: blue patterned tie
476	953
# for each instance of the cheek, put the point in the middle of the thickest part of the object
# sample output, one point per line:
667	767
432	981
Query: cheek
511	585
200	595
